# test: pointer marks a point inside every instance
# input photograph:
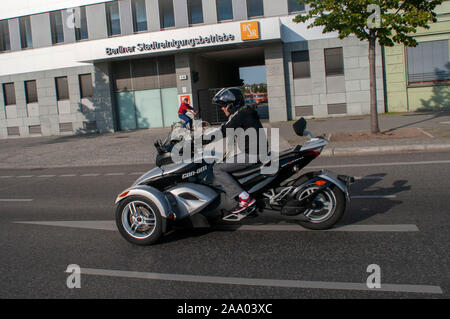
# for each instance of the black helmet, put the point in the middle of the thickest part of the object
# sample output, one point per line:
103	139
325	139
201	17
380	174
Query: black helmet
229	96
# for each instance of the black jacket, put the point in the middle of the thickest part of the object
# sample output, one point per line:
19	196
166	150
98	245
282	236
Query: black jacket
246	118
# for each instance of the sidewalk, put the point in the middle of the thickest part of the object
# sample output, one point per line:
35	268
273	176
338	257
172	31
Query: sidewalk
431	132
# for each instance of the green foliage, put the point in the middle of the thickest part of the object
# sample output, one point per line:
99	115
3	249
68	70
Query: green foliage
399	19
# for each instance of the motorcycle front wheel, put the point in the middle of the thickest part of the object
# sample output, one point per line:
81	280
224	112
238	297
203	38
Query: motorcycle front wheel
328	207
139	220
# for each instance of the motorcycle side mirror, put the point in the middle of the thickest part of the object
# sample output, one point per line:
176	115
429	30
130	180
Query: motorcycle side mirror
299	127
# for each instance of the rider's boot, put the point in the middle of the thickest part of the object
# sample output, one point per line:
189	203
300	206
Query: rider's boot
243	208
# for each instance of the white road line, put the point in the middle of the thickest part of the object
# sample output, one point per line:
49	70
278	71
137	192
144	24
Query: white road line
111	226
372	196
90	175
6	176
25	176
16	200
68	175
381	164
137	173
45	176
115	174
301	284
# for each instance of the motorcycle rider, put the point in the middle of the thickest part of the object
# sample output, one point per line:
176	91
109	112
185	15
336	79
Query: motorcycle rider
239	115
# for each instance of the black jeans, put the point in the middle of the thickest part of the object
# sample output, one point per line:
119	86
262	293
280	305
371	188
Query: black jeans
223	177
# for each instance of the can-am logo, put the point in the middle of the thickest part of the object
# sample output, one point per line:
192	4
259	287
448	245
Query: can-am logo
172	44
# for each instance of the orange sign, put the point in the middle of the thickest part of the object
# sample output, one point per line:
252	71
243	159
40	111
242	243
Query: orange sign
250	30
182	97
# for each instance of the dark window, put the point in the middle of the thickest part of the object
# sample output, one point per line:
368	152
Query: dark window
340	108
167	72
255	8
5	44
65	127
334	61
56	26
26	40
145	74
139	15
195	11
428	62
9	94
86	88
62	88
31	92
13	131
224	10
35	129
81	28
166	14
122	76
300	64
113	18
294	6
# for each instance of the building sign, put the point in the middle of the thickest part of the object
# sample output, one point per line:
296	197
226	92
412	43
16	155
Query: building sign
250	30
172	44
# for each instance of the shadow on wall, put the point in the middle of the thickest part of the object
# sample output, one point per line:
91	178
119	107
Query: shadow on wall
440	101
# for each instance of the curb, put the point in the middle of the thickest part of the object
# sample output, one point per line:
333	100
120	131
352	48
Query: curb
336	151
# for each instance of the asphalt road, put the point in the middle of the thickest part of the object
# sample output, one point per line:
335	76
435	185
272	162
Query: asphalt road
398	219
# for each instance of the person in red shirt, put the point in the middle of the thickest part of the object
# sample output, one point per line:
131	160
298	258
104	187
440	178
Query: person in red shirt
184	108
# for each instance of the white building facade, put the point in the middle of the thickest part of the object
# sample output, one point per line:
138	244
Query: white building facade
71	66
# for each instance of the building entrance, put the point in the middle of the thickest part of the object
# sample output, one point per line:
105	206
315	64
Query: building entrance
145	92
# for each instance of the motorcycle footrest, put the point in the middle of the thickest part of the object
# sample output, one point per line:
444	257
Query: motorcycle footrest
239	216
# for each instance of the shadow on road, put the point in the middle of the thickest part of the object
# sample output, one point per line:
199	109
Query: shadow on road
361	209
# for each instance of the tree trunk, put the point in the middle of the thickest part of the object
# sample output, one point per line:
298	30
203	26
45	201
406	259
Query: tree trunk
374	127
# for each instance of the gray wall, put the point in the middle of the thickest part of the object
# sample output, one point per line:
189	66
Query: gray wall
126	17
47	116
209	11
40	26
181	13
239	9
275	8
323	96
153	22
14	34
96	21
69	33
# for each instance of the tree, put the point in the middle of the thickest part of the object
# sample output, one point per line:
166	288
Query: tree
385	21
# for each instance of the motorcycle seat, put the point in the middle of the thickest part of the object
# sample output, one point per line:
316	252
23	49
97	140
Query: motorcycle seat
254	168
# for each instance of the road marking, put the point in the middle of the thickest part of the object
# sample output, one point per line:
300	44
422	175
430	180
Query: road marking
111	226
90	175
45	176
115	174
381	164
6	176
25	176
16	200
301	284
372	196
426	133
137	173
68	175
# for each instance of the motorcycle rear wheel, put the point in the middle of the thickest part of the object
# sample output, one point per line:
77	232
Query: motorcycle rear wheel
329	207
